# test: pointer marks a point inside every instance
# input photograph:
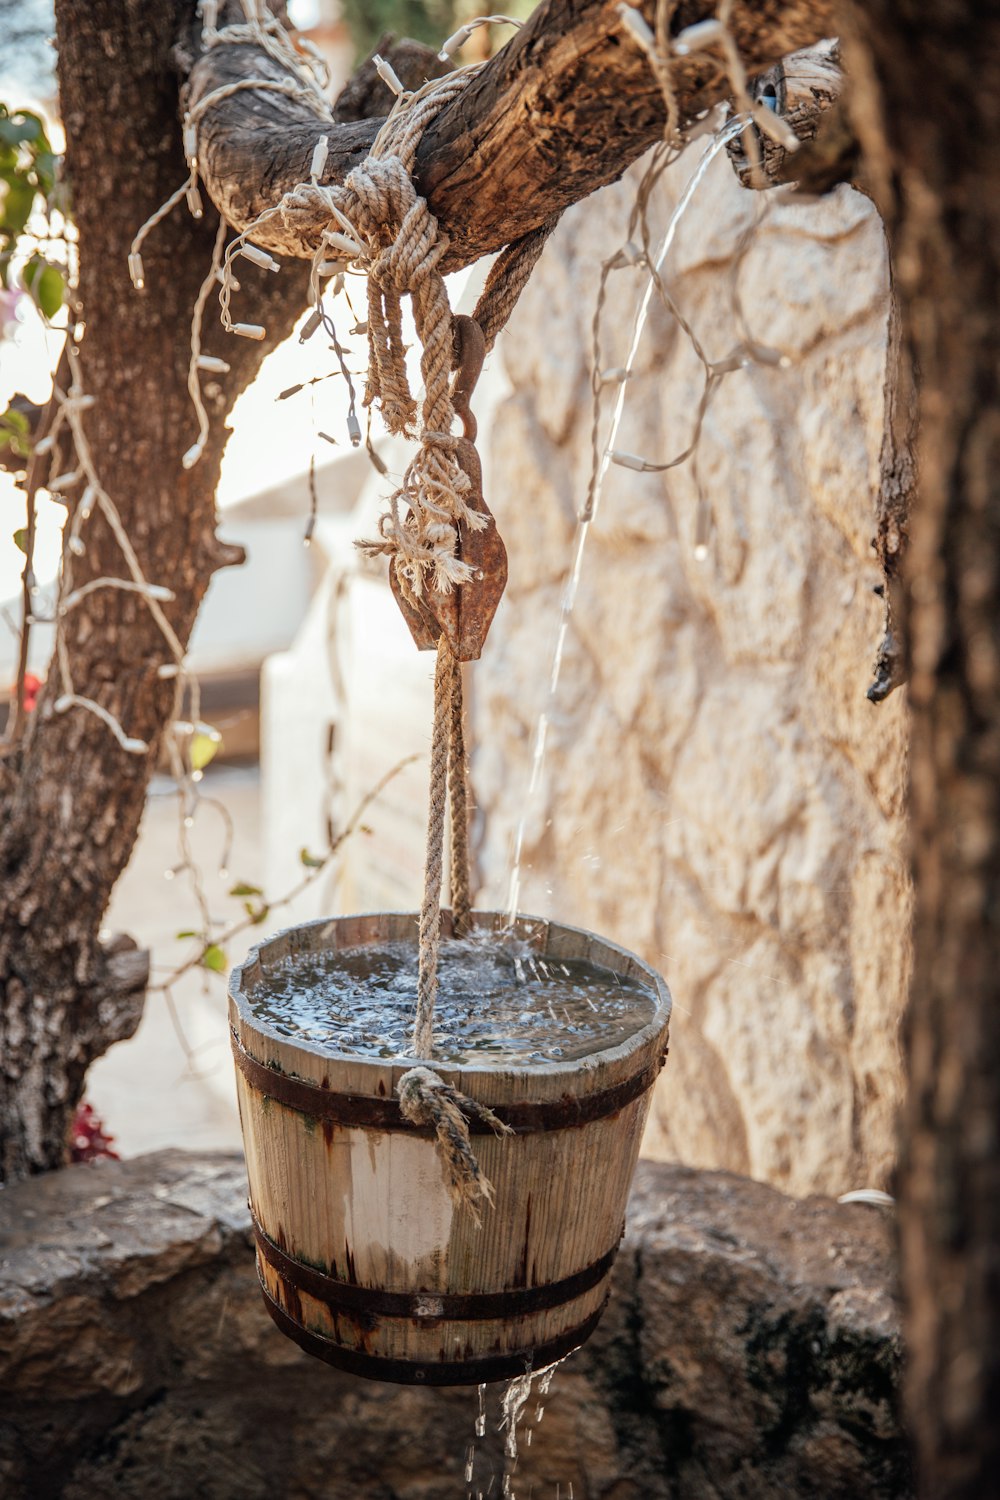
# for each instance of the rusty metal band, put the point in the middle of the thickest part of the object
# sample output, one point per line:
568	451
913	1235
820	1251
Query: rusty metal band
368	1112
451	1372
347	1297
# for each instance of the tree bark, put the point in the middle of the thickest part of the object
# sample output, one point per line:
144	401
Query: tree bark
927	102
72	798
562	110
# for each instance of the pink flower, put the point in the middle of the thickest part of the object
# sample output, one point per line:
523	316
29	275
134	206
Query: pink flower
88	1140
32	688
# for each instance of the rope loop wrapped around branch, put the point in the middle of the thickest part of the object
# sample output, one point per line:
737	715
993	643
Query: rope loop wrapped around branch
402	246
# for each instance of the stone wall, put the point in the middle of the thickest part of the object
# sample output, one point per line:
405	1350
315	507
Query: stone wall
751	1350
717	793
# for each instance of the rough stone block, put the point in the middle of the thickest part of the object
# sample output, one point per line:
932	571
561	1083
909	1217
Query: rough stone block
751	1349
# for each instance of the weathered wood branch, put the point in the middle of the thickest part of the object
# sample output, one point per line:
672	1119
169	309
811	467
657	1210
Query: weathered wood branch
807	90
563	109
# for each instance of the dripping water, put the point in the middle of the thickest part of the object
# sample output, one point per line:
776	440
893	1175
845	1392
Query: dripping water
588	514
515	1399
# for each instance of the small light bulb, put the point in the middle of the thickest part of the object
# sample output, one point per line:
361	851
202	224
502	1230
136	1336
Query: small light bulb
320	152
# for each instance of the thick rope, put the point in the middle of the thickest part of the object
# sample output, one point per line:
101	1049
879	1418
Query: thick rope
430	911
387	228
420	530
424	1096
507	279
458	787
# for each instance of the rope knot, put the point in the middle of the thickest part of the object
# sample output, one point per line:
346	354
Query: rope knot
382	193
425	1099
404	252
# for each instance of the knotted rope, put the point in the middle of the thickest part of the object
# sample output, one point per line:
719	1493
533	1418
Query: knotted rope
403	247
381	223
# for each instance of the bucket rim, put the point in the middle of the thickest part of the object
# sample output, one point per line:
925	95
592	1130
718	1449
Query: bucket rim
535	929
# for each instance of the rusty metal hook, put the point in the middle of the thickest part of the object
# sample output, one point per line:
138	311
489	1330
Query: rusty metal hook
469	355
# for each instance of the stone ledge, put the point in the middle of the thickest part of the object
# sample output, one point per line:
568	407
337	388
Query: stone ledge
751	1349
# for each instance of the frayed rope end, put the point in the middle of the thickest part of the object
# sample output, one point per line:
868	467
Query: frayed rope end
425	1099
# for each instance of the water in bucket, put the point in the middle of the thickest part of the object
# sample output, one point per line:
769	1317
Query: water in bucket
499	1002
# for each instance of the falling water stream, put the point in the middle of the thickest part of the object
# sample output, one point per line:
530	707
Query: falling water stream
589	513
513	1403
518	1391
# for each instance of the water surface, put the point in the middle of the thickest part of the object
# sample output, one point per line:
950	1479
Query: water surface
499	1001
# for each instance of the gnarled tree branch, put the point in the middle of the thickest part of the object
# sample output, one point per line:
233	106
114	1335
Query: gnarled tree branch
563	109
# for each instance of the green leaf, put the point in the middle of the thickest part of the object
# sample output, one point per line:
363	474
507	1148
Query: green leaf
15	433
46	284
20	128
21	539
187	933
243	888
203	750
214	958
15	209
257	914
49	291
46	163
309	860
15	421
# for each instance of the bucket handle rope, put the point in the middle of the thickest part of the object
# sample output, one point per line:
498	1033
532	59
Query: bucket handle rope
424	1096
420	533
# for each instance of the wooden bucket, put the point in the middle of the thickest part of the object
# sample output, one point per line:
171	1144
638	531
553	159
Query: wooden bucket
363	1258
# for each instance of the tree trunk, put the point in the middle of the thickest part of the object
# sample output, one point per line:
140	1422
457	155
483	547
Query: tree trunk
72	797
927	81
